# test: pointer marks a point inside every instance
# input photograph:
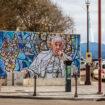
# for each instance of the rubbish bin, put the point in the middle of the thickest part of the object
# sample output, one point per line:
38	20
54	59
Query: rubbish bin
68	76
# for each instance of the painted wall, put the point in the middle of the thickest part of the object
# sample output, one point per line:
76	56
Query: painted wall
32	50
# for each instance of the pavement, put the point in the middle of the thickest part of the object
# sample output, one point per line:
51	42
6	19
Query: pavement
85	92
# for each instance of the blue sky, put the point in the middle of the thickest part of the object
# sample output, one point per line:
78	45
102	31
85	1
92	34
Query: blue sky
77	10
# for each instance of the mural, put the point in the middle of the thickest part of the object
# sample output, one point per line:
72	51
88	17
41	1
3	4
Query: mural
38	53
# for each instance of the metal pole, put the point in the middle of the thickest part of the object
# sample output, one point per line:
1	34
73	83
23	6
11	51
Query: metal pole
76	94
99	47
12	78
34	86
87	82
87	27
0	83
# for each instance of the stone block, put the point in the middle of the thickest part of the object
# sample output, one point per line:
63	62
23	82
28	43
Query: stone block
9	79
4	82
18	78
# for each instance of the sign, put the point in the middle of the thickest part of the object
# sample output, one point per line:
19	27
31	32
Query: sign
88	57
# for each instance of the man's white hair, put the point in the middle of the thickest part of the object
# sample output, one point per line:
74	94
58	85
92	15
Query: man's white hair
57	37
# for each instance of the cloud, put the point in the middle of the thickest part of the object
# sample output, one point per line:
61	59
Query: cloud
77	10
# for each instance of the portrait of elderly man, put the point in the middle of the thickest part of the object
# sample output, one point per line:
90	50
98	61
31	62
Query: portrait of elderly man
49	64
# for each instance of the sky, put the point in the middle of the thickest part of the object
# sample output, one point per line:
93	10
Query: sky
77	10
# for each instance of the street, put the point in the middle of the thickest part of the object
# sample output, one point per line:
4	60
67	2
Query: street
7	101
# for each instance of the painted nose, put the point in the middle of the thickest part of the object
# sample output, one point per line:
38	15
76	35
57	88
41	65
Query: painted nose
58	47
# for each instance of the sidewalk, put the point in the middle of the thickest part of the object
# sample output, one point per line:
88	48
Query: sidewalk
85	92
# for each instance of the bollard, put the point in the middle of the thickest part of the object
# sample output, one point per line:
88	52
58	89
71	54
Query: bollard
34	85
76	94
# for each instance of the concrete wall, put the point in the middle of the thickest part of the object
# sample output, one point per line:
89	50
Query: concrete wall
48	82
4	82
9	79
16	79
13	79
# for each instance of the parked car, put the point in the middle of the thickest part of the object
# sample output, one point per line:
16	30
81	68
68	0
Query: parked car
95	72
96	64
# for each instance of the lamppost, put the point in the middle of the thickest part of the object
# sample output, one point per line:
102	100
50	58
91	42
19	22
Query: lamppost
99	46
87	81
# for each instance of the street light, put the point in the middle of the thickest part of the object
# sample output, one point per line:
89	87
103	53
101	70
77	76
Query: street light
87	81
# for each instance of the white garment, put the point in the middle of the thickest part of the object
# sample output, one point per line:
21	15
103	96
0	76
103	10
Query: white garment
46	65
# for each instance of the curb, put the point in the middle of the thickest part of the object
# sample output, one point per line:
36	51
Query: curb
101	99
53	98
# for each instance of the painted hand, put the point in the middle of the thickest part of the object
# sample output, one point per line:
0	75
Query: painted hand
62	56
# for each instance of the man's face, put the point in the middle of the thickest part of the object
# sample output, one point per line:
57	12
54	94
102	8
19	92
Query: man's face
57	46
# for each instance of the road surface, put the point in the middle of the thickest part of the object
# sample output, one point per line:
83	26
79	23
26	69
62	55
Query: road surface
7	101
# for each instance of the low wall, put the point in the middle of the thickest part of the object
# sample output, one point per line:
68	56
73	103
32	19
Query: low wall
13	79
48	82
16	78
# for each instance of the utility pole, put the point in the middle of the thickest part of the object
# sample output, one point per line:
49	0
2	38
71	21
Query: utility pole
87	81
99	47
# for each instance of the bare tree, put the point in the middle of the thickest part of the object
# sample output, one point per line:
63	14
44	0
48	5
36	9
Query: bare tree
33	15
